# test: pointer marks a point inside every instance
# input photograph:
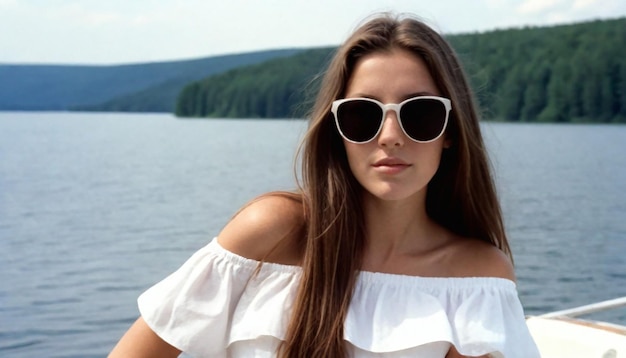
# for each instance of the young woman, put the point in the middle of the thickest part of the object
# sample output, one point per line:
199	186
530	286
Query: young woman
393	246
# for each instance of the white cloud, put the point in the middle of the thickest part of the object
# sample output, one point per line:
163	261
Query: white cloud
535	6
121	31
85	17
495	4
582	4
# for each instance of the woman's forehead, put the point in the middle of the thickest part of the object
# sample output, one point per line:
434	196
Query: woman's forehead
398	73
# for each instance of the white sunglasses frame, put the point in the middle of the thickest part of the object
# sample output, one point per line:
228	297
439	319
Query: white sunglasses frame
394	107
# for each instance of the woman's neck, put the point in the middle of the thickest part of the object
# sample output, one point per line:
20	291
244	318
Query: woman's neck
399	229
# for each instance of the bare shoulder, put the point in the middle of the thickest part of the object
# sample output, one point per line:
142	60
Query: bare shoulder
478	258
269	228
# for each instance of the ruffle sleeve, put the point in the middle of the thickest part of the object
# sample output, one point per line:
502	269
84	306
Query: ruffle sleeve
478	315
491	320
216	298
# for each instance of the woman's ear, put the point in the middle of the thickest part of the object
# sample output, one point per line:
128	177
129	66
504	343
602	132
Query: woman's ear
447	143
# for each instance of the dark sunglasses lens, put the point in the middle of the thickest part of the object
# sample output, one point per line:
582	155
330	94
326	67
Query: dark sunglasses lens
423	119
359	120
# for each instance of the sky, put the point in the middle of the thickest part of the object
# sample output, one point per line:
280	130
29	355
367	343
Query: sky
136	31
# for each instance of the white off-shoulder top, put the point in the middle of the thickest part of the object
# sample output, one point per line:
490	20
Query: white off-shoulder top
214	306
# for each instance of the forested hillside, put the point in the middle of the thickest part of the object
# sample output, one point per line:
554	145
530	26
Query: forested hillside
274	89
151	86
565	73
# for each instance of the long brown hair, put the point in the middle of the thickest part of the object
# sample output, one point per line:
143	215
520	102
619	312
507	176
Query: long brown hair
461	196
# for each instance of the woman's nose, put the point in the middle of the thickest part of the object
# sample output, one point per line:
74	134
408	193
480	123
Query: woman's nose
391	134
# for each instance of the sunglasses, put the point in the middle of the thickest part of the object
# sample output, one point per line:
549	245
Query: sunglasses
423	119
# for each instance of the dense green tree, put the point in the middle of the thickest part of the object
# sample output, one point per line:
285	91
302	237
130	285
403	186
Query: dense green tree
535	95
552	74
556	109
621	92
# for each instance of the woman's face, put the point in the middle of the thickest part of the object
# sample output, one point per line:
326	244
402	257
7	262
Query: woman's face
392	166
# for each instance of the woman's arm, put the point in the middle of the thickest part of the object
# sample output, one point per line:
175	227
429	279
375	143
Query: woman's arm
453	353
141	342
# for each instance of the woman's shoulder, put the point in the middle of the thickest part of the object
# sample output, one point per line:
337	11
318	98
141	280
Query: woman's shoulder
269	228
479	258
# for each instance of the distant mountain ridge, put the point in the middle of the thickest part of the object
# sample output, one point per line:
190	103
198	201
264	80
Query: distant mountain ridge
278	88
562	73
65	87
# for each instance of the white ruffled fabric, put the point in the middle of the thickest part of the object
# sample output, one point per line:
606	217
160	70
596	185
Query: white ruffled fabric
213	306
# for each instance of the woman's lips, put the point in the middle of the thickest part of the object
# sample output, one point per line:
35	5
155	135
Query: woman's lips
390	165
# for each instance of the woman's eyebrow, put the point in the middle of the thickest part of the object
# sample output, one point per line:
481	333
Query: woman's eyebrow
361	95
418	94
403	98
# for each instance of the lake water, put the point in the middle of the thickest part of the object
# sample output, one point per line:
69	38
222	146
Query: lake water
95	208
